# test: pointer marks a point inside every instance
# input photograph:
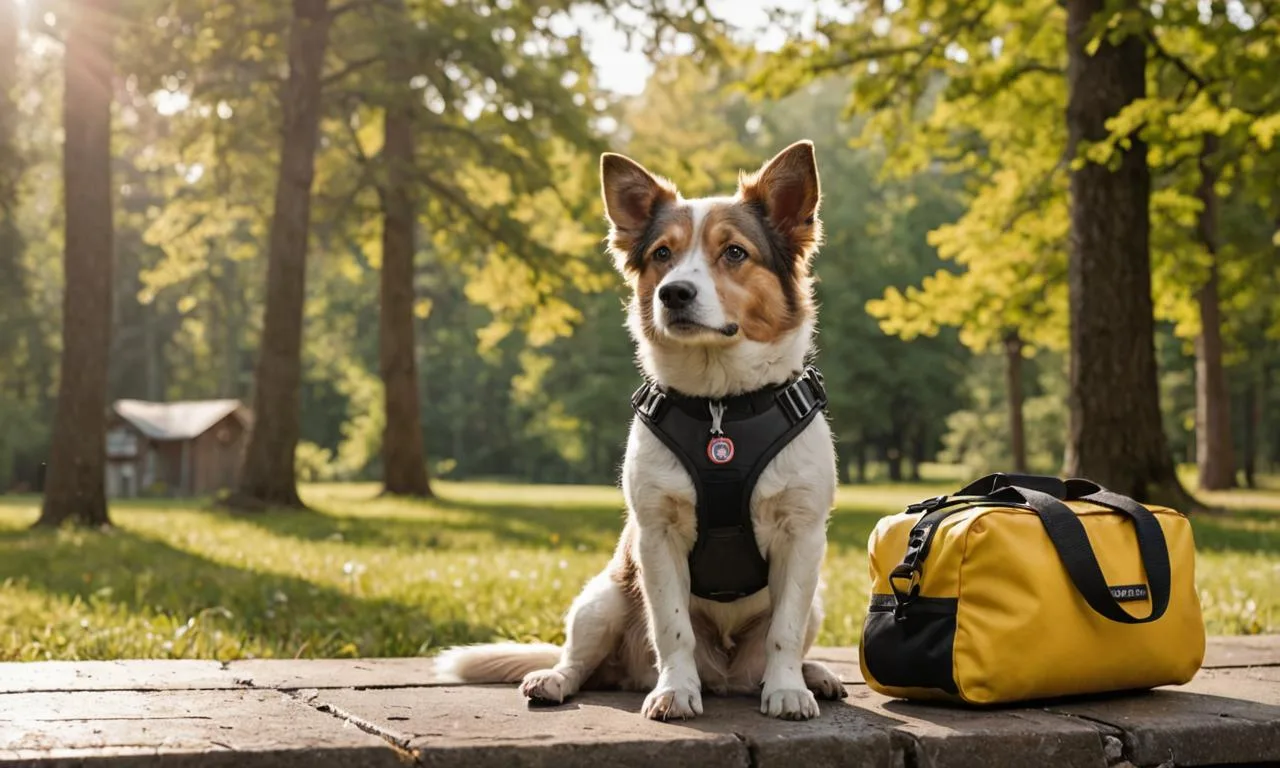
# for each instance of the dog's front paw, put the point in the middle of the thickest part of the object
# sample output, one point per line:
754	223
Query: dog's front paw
546	685
789	704
822	681
667	702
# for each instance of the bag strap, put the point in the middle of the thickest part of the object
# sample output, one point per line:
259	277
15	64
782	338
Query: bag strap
985	486
1044	494
1072	543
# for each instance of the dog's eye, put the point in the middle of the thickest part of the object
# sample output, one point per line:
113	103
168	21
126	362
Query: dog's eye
662	254
735	254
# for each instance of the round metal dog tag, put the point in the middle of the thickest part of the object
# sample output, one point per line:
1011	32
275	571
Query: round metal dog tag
720	450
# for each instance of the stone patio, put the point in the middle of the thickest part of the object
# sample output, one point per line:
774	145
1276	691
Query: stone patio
388	712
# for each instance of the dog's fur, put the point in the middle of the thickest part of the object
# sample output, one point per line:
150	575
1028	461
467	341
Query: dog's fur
636	626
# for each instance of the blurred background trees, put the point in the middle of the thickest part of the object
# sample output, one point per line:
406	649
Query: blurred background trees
378	222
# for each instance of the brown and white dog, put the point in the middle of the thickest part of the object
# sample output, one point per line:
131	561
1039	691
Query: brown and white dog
721	304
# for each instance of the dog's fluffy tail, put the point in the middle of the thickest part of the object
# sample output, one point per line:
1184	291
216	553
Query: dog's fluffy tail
494	662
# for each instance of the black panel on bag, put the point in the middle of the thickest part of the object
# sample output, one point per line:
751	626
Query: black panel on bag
914	651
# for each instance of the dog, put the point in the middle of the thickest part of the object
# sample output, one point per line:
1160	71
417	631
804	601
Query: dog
721	307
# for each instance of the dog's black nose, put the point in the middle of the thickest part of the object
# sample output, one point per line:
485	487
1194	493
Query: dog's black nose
677	295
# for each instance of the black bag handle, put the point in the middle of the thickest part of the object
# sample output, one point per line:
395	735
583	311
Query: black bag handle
1072	543
985	486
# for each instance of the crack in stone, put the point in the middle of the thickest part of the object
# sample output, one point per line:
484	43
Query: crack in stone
1117	743
907	745
400	745
753	751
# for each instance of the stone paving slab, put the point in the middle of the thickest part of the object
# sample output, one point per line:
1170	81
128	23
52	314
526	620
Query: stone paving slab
494	727
204	728
1194	724
385	712
167	675
1242	651
149	675
334	673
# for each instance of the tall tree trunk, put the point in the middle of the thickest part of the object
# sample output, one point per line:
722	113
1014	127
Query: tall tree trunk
230	330
893	458
268	477
404	463
1255	396
1013	385
74	488
1214	449
860	459
153	349
13	294
917	453
1116	437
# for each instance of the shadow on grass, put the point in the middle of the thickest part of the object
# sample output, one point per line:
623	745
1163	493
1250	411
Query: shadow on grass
444	523
448	523
148	578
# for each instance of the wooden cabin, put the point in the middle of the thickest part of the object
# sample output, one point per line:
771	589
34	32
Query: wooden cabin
188	448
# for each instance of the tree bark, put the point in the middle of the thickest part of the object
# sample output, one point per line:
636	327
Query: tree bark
917	453
893	459
1116	437
1214	450
860	458
268	477
1013	383
404	463
13	294
1255	395
74	487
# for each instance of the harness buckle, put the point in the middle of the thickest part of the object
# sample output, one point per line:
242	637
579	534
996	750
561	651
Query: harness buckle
817	383
647	399
804	395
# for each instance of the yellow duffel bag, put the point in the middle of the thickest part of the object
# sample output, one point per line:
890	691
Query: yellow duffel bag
1023	587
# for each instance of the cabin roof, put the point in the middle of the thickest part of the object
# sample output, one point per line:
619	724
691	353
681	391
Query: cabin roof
181	420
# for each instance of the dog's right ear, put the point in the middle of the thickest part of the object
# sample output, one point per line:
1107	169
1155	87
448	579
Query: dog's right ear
631	197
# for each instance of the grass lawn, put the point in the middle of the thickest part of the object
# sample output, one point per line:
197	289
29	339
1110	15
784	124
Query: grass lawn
372	577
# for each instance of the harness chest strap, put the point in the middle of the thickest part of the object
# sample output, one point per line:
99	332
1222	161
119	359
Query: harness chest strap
725	445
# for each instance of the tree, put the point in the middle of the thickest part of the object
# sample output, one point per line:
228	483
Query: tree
969	91
1213	404
267	476
9	160
1115	433
980	87
404	463
74	490
1013	385
12	283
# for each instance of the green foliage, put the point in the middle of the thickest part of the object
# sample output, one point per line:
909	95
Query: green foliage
943	155
977	435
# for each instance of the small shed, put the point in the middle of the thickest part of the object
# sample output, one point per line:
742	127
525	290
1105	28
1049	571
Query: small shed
186	448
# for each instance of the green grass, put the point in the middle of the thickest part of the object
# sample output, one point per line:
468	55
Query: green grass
371	577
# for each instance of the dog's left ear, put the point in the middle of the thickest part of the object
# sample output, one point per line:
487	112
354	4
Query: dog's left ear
787	189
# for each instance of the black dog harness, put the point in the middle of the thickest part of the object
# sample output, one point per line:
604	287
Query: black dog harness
725	445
